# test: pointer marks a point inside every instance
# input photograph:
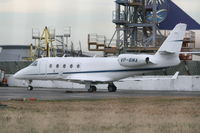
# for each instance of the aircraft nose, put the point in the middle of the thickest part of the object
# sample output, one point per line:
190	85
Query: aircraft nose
18	75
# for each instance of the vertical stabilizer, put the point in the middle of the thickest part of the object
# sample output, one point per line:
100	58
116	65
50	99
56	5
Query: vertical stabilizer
173	43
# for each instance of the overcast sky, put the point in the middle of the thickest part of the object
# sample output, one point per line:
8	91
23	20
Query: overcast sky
18	17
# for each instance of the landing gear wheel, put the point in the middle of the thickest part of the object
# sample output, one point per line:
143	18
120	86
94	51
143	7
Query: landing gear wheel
92	89
112	88
30	88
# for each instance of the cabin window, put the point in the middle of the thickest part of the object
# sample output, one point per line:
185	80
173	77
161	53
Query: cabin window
50	66
78	66
57	66
71	66
34	63
64	66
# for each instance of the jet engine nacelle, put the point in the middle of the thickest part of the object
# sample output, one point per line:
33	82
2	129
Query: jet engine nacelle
131	60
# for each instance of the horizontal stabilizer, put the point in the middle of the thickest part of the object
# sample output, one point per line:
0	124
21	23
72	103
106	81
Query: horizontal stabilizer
172	52
198	53
167	52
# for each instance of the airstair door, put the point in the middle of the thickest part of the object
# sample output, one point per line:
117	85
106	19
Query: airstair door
60	71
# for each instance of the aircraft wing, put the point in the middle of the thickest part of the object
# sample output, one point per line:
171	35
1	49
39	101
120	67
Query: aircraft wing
144	78
86	78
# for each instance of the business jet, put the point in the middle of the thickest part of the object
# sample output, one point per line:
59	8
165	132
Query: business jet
105	70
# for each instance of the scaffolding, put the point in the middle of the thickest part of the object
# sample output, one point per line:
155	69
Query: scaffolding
137	29
101	43
132	28
63	41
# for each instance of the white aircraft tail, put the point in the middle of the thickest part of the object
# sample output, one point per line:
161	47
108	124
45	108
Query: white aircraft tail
173	43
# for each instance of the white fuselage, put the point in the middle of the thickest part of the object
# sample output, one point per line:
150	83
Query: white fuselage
107	69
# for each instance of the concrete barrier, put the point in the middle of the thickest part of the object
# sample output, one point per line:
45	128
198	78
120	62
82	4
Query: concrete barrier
182	83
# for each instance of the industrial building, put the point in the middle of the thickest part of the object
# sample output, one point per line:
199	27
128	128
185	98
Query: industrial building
14	52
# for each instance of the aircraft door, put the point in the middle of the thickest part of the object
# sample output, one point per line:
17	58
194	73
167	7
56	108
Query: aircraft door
61	71
43	68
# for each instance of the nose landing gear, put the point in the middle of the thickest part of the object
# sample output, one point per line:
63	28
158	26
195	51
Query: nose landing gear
30	87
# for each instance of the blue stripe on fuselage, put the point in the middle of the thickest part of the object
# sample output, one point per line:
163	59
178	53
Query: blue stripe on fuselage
104	71
178	40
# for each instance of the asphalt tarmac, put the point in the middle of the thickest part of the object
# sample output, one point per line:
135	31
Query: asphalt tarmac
18	93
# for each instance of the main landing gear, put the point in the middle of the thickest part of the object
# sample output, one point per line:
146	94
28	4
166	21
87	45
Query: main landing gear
93	88
30	87
112	87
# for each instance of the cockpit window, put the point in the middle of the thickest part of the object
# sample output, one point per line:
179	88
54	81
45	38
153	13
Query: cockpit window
34	63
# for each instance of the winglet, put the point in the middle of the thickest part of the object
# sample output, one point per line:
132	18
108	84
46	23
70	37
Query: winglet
175	76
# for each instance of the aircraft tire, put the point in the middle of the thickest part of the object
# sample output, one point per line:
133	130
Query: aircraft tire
30	88
92	89
112	88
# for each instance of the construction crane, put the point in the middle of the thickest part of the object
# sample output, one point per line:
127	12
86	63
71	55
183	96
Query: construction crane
43	46
48	39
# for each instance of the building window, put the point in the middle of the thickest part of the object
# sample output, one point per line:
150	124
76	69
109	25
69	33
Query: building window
64	66
57	66
71	66
50	66
78	66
